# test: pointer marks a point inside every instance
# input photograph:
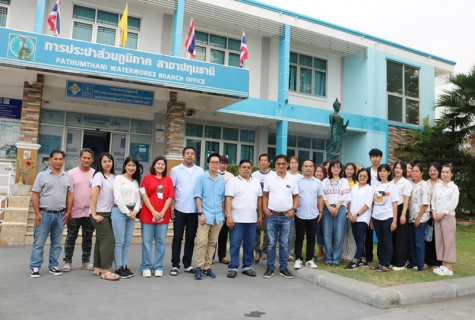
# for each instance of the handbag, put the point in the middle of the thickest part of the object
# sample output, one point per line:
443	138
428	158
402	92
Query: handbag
429	232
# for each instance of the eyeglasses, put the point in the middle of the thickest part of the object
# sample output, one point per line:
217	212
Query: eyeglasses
336	166
281	163
214	162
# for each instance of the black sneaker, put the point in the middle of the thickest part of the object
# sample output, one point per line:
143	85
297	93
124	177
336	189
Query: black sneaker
363	264
122	273
286	274
352	266
34	272
55	271
129	272
269	273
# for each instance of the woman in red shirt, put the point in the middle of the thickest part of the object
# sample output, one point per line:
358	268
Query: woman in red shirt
157	195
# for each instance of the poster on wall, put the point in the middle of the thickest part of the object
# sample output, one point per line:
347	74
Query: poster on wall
73	147
118	151
10	108
49	140
9	134
140	149
96	121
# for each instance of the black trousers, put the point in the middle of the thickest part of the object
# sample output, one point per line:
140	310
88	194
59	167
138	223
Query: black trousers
302	227
399	258
368	246
184	222
431	255
222	240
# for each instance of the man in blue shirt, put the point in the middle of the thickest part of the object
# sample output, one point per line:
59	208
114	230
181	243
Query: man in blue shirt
185	213
309	212
209	196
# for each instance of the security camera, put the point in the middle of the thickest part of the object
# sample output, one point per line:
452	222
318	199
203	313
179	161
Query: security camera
190	113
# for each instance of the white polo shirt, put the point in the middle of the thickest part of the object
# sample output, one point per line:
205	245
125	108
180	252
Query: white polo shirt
359	198
244	195
404	188
281	192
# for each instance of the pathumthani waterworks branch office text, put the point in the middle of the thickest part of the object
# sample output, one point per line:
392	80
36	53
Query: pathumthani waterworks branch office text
80	89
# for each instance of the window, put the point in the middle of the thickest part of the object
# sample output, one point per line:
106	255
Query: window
3	13
303	147
103	27
308	74
217	49
236	144
403	93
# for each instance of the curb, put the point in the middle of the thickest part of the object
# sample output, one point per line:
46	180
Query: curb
389	297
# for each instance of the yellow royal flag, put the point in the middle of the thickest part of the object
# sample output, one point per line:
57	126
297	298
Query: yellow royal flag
123	26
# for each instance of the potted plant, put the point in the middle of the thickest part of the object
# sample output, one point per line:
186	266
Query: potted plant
22	169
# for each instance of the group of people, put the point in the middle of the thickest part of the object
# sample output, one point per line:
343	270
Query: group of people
414	220
338	211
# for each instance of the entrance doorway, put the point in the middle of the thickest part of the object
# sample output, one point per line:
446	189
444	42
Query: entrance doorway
98	142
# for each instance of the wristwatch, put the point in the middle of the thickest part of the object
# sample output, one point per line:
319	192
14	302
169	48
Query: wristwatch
200	213
295	210
358	214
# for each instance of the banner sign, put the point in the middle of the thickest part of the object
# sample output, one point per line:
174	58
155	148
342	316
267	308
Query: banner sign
118	95
10	108
96	121
66	55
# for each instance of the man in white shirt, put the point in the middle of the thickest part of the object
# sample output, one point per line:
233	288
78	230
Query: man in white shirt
280	202
375	156
260	175
243	195
223	234
185	213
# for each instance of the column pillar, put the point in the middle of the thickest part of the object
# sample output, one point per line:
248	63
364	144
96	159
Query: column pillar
283	88
177	31
29	123
174	131
40	16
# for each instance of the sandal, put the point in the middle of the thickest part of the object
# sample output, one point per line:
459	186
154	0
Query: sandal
97	271
66	268
110	276
249	273
376	267
264	256
89	267
257	257
232	274
383	269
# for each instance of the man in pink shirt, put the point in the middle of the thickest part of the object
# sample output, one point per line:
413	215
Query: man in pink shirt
82	177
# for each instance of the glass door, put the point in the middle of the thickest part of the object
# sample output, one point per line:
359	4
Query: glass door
117	149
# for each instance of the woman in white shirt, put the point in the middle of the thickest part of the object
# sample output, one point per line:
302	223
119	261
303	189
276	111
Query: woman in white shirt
336	194
431	254
384	217
444	202
404	188
126	206
359	215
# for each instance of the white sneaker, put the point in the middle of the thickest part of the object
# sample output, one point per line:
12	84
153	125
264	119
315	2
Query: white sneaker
158	273
399	268
146	273
448	272
298	264
438	269
311	264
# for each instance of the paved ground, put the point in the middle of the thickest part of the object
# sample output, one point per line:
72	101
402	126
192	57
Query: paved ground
80	295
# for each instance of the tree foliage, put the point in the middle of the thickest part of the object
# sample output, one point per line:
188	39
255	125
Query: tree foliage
451	138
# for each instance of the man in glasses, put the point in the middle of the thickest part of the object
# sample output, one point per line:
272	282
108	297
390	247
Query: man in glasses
209	197
280	202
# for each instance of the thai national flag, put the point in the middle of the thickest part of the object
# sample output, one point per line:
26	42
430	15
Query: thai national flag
190	40
243	49
53	19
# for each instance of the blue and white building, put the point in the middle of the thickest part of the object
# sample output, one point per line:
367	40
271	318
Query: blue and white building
150	98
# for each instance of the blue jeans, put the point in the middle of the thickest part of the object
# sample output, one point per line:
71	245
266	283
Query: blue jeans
278	229
51	225
123	228
333	232
319	233
416	244
359	233
242	233
385	240
150	232
189	222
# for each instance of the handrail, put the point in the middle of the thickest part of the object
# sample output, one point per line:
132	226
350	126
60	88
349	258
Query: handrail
8	173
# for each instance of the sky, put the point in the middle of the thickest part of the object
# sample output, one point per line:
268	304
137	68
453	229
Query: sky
442	28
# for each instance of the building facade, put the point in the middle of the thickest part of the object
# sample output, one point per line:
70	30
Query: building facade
80	89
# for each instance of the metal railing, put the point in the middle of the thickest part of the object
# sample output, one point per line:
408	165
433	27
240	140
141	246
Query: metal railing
6	178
